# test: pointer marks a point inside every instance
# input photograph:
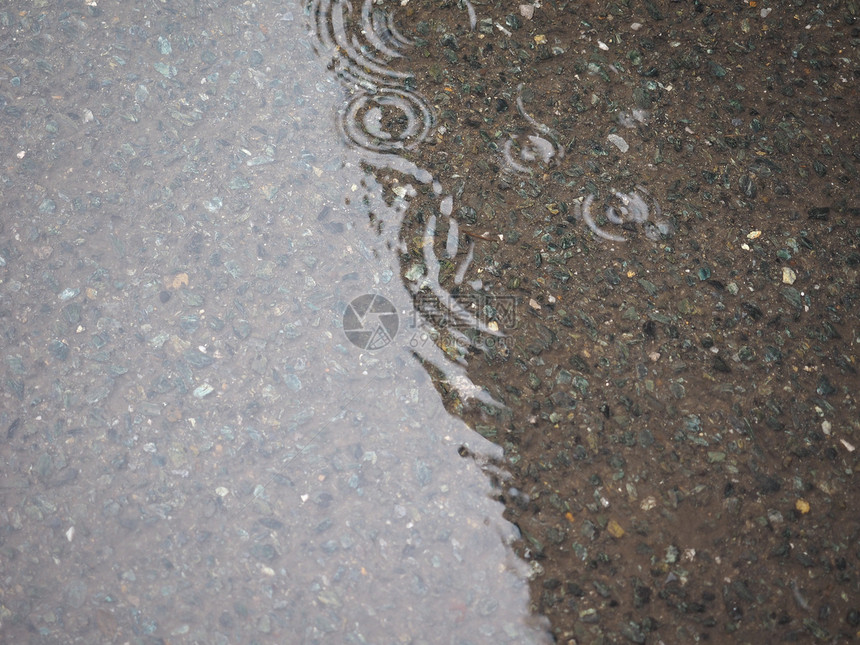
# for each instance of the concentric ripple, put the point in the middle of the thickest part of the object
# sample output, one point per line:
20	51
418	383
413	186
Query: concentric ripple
360	58
627	211
383	115
382	118
387	121
520	154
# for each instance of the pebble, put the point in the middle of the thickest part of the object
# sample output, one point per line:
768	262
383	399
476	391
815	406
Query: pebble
648	503
618	142
614	529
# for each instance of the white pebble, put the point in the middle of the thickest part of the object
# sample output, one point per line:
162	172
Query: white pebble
619	143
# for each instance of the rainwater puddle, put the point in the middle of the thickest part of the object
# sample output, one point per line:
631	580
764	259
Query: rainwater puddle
216	429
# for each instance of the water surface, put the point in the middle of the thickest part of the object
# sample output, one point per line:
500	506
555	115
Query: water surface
194	449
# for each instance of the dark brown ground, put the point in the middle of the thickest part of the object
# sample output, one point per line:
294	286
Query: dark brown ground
681	421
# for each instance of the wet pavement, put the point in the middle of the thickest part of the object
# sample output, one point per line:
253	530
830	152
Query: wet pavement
193	449
429	322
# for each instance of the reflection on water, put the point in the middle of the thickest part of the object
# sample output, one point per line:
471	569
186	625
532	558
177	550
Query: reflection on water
194	450
385	115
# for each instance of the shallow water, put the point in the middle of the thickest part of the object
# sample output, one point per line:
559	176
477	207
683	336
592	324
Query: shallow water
201	442
667	193
238	243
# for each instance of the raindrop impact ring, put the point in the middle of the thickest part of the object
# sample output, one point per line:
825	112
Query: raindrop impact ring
362	121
